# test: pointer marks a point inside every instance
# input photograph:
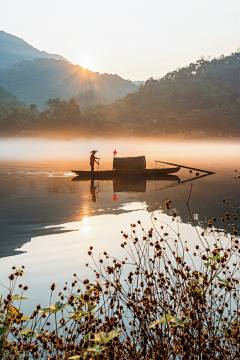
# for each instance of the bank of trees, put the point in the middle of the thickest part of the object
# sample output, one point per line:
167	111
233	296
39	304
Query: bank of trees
198	101
14	116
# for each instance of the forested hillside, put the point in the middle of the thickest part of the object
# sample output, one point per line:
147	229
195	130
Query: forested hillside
14	49
38	80
7	99
201	100
14	116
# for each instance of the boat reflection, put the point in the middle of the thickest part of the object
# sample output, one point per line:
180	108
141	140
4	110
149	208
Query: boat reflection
133	183
126	185
136	183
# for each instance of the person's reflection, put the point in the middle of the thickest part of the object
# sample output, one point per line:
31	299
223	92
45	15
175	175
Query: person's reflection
94	197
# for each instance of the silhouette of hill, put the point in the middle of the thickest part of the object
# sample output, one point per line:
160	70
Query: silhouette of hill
38	80
14	49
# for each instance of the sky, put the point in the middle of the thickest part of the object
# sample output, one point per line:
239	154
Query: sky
136	39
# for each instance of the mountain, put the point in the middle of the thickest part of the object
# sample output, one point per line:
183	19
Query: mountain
38	80
199	100
14	49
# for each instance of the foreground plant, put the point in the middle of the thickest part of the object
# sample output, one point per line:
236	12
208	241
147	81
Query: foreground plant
171	303
161	302
73	333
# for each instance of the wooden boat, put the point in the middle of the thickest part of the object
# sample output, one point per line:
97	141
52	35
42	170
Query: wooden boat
139	173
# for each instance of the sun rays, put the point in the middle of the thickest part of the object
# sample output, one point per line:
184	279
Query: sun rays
86	62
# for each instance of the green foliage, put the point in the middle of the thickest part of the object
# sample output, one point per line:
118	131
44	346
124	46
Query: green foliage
60	114
103	338
169	318
15	116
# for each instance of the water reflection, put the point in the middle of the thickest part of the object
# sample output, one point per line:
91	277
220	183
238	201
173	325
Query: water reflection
38	197
94	190
33	204
133	183
126	185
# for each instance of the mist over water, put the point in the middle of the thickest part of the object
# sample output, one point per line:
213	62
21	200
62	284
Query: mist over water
48	222
60	152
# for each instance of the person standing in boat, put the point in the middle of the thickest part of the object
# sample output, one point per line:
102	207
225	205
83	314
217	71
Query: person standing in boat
93	159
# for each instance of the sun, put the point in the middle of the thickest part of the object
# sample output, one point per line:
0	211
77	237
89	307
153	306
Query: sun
86	62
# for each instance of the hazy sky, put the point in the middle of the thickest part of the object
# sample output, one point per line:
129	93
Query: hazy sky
135	39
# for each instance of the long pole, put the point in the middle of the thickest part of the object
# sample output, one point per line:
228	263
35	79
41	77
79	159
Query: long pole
186	167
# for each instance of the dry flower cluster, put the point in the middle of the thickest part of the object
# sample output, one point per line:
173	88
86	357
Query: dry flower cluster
162	301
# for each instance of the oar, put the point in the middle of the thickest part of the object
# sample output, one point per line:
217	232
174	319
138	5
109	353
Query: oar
186	167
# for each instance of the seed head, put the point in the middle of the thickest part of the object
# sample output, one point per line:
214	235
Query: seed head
53	287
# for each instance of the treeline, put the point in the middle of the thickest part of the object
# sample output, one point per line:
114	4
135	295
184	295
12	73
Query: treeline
14	116
199	101
60	116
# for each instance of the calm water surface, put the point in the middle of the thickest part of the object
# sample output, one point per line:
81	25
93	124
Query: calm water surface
48	221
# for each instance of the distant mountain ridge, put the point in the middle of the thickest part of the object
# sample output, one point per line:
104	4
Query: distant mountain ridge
14	49
38	80
35	76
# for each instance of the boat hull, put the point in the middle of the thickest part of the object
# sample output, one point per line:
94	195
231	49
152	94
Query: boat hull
147	174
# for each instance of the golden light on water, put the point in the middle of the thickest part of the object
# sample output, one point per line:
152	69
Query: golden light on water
85	228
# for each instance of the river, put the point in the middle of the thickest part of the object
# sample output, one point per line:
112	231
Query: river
48	221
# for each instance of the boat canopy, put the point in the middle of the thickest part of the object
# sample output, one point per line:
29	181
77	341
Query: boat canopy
129	163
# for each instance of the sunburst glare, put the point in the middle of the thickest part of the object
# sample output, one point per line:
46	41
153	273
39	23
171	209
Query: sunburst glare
86	62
